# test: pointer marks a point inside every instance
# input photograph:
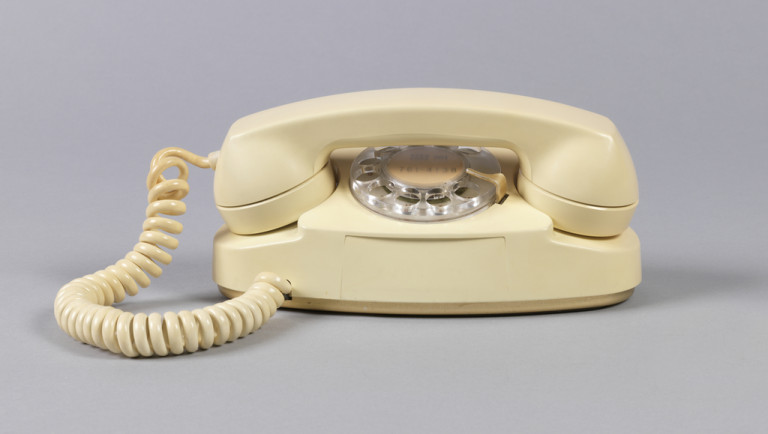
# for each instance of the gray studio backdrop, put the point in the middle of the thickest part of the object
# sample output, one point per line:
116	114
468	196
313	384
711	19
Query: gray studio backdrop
90	90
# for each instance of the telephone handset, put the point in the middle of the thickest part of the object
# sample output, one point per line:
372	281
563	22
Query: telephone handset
405	201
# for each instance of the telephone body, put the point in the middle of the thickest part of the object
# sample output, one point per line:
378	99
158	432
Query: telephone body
400	201
559	240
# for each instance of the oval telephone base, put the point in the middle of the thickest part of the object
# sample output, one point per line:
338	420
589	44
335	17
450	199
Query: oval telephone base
340	256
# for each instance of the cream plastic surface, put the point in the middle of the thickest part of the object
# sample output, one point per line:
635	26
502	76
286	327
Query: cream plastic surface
508	258
564	151
288	206
559	238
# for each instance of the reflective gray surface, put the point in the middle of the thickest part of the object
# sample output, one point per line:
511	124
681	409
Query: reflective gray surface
89	91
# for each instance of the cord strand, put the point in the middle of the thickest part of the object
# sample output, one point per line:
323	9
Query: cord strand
83	307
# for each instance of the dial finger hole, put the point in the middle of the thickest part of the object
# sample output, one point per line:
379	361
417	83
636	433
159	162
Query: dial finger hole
407	199
437	197
467	192
380	191
439	200
367	176
369	164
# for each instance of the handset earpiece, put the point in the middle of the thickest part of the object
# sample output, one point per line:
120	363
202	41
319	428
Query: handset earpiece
574	217
281	209
574	166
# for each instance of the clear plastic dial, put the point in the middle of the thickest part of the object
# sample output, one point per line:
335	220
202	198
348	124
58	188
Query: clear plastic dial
423	183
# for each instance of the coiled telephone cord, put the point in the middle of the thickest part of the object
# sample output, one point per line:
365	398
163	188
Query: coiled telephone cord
83	307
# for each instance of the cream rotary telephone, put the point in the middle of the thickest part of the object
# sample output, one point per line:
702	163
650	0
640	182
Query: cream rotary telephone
402	201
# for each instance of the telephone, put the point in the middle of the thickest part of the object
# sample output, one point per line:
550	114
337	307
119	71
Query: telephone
399	201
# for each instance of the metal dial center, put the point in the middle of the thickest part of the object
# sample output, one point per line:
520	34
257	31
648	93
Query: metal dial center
421	166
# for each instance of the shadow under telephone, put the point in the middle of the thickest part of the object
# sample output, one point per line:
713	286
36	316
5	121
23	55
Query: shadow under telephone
406	201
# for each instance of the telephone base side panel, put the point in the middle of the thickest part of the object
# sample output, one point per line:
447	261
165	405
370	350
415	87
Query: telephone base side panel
340	256
482	308
553	276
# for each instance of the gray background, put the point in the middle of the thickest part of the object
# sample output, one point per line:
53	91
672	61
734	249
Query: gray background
90	90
